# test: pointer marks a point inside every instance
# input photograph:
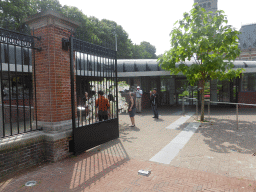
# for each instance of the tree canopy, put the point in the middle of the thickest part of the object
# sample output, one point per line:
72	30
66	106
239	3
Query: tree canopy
13	13
213	46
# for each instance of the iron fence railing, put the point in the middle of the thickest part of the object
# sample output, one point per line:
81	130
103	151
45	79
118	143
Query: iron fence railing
18	102
183	106
209	102
230	104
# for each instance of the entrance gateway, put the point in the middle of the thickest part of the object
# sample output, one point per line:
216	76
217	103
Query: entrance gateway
93	68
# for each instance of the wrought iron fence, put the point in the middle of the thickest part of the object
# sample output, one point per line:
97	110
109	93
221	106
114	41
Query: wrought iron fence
94	103
95	71
18	100
230	104
209	102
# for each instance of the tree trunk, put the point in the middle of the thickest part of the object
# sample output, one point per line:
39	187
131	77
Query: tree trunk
202	100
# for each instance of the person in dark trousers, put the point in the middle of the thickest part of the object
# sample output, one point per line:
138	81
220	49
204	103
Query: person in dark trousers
102	107
132	109
154	101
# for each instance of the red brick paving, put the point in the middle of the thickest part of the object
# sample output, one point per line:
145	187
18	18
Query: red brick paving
113	169
103	172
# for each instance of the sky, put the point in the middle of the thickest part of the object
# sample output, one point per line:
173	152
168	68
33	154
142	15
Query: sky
152	21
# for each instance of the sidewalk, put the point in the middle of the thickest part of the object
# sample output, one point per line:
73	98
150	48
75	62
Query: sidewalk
216	158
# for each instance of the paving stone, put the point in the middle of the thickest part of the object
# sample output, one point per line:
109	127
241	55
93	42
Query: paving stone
115	167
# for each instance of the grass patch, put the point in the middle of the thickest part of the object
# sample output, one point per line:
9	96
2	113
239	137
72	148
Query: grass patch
202	121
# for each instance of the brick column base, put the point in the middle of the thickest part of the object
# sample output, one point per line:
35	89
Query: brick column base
25	151
57	150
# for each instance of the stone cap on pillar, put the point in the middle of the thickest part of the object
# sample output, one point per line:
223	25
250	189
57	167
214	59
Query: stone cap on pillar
50	17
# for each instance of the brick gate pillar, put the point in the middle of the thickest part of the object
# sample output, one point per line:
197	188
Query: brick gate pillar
52	77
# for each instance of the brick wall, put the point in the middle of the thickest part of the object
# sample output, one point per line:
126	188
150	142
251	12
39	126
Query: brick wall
248	55
14	109
53	94
20	102
247	97
53	76
21	157
57	150
14	116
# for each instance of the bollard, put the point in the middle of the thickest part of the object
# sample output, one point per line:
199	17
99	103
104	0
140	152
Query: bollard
209	110
237	115
197	110
183	110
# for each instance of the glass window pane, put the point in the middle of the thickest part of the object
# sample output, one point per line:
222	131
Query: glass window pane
244	85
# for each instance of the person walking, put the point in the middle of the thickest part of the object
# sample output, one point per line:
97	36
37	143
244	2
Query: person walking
139	93
132	109
102	107
154	101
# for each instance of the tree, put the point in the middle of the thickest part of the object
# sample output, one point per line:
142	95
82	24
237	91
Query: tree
13	12
160	55
213	46
91	29
143	51
149	49
43	5
124	44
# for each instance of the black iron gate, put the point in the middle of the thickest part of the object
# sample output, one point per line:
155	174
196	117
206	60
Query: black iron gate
93	69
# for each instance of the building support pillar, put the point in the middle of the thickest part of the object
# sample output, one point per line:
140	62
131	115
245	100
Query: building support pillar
171	90
213	89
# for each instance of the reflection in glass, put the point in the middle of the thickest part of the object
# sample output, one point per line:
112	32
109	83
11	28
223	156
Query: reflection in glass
249	82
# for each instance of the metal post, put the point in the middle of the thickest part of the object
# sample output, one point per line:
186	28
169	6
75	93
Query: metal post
81	123
237	115
1	120
197	110
72	90
183	109
116	39
209	110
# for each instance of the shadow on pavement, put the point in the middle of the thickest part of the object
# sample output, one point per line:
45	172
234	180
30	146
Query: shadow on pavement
107	157
124	129
162	110
77	173
221	133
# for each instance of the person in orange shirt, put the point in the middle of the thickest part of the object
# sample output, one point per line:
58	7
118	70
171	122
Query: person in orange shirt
102	107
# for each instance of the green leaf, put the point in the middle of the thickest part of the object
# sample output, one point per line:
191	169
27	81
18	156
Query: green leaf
207	38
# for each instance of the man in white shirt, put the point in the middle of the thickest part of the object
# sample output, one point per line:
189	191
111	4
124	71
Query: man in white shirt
138	99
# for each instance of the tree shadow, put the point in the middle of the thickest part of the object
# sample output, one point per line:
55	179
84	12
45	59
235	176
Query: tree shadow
77	173
124	130
222	135
107	157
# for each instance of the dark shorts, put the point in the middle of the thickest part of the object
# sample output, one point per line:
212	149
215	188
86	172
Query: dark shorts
103	115
132	112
